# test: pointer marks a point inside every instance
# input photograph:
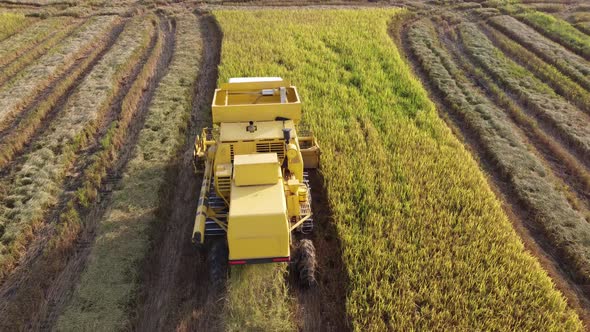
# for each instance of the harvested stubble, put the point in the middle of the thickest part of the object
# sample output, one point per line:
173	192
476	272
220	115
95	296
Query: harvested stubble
123	235
570	64
559	30
15	46
23	89
38	183
425	241
561	83
36	51
21	132
11	23
570	122
528	178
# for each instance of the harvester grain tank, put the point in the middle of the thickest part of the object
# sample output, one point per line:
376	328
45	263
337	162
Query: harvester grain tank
255	198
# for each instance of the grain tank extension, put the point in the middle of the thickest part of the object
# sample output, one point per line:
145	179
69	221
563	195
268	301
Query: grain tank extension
255	193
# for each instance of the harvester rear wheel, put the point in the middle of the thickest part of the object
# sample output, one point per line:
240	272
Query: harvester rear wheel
305	263
217	257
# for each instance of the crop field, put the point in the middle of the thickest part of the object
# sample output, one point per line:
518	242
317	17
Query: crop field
453	192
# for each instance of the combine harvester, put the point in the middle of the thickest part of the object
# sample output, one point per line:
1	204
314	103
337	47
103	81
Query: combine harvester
255	194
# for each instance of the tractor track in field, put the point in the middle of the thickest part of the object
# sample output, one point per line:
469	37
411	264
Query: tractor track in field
175	279
56	279
533	238
48	118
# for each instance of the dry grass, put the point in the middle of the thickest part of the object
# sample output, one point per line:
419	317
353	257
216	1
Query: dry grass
23	89
425	242
559	30
38	183
36	51
102	299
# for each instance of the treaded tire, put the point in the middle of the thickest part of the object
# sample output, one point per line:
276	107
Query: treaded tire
306	264
217	257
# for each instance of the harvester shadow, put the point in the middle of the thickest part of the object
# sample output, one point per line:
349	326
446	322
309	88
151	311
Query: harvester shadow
323	308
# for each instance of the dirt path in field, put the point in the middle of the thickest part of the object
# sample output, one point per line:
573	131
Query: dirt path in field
175	277
532	236
43	285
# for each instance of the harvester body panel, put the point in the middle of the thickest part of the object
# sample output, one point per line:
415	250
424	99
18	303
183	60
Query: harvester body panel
255	191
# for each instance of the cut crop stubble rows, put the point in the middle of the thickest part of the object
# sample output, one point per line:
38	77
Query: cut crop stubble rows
570	64
568	121
122	238
425	242
545	72
505	147
38	182
19	44
26	86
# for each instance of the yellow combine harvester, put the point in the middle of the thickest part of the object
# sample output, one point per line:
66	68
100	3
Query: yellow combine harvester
255	192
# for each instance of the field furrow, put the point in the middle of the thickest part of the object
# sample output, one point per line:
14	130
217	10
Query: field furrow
29	83
122	235
568	121
39	181
410	206
36	116
17	45
570	64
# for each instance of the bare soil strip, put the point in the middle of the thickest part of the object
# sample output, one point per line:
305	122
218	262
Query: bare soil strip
533	238
175	278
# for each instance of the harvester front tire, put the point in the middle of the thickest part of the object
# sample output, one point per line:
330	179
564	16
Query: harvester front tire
306	264
217	257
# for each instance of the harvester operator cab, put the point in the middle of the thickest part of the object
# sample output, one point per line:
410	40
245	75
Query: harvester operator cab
255	189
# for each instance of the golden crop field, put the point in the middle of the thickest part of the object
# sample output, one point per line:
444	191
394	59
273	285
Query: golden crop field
453	192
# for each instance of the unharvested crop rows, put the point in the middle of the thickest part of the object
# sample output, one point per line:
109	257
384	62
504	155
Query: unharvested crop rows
11	23
418	223
38	181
